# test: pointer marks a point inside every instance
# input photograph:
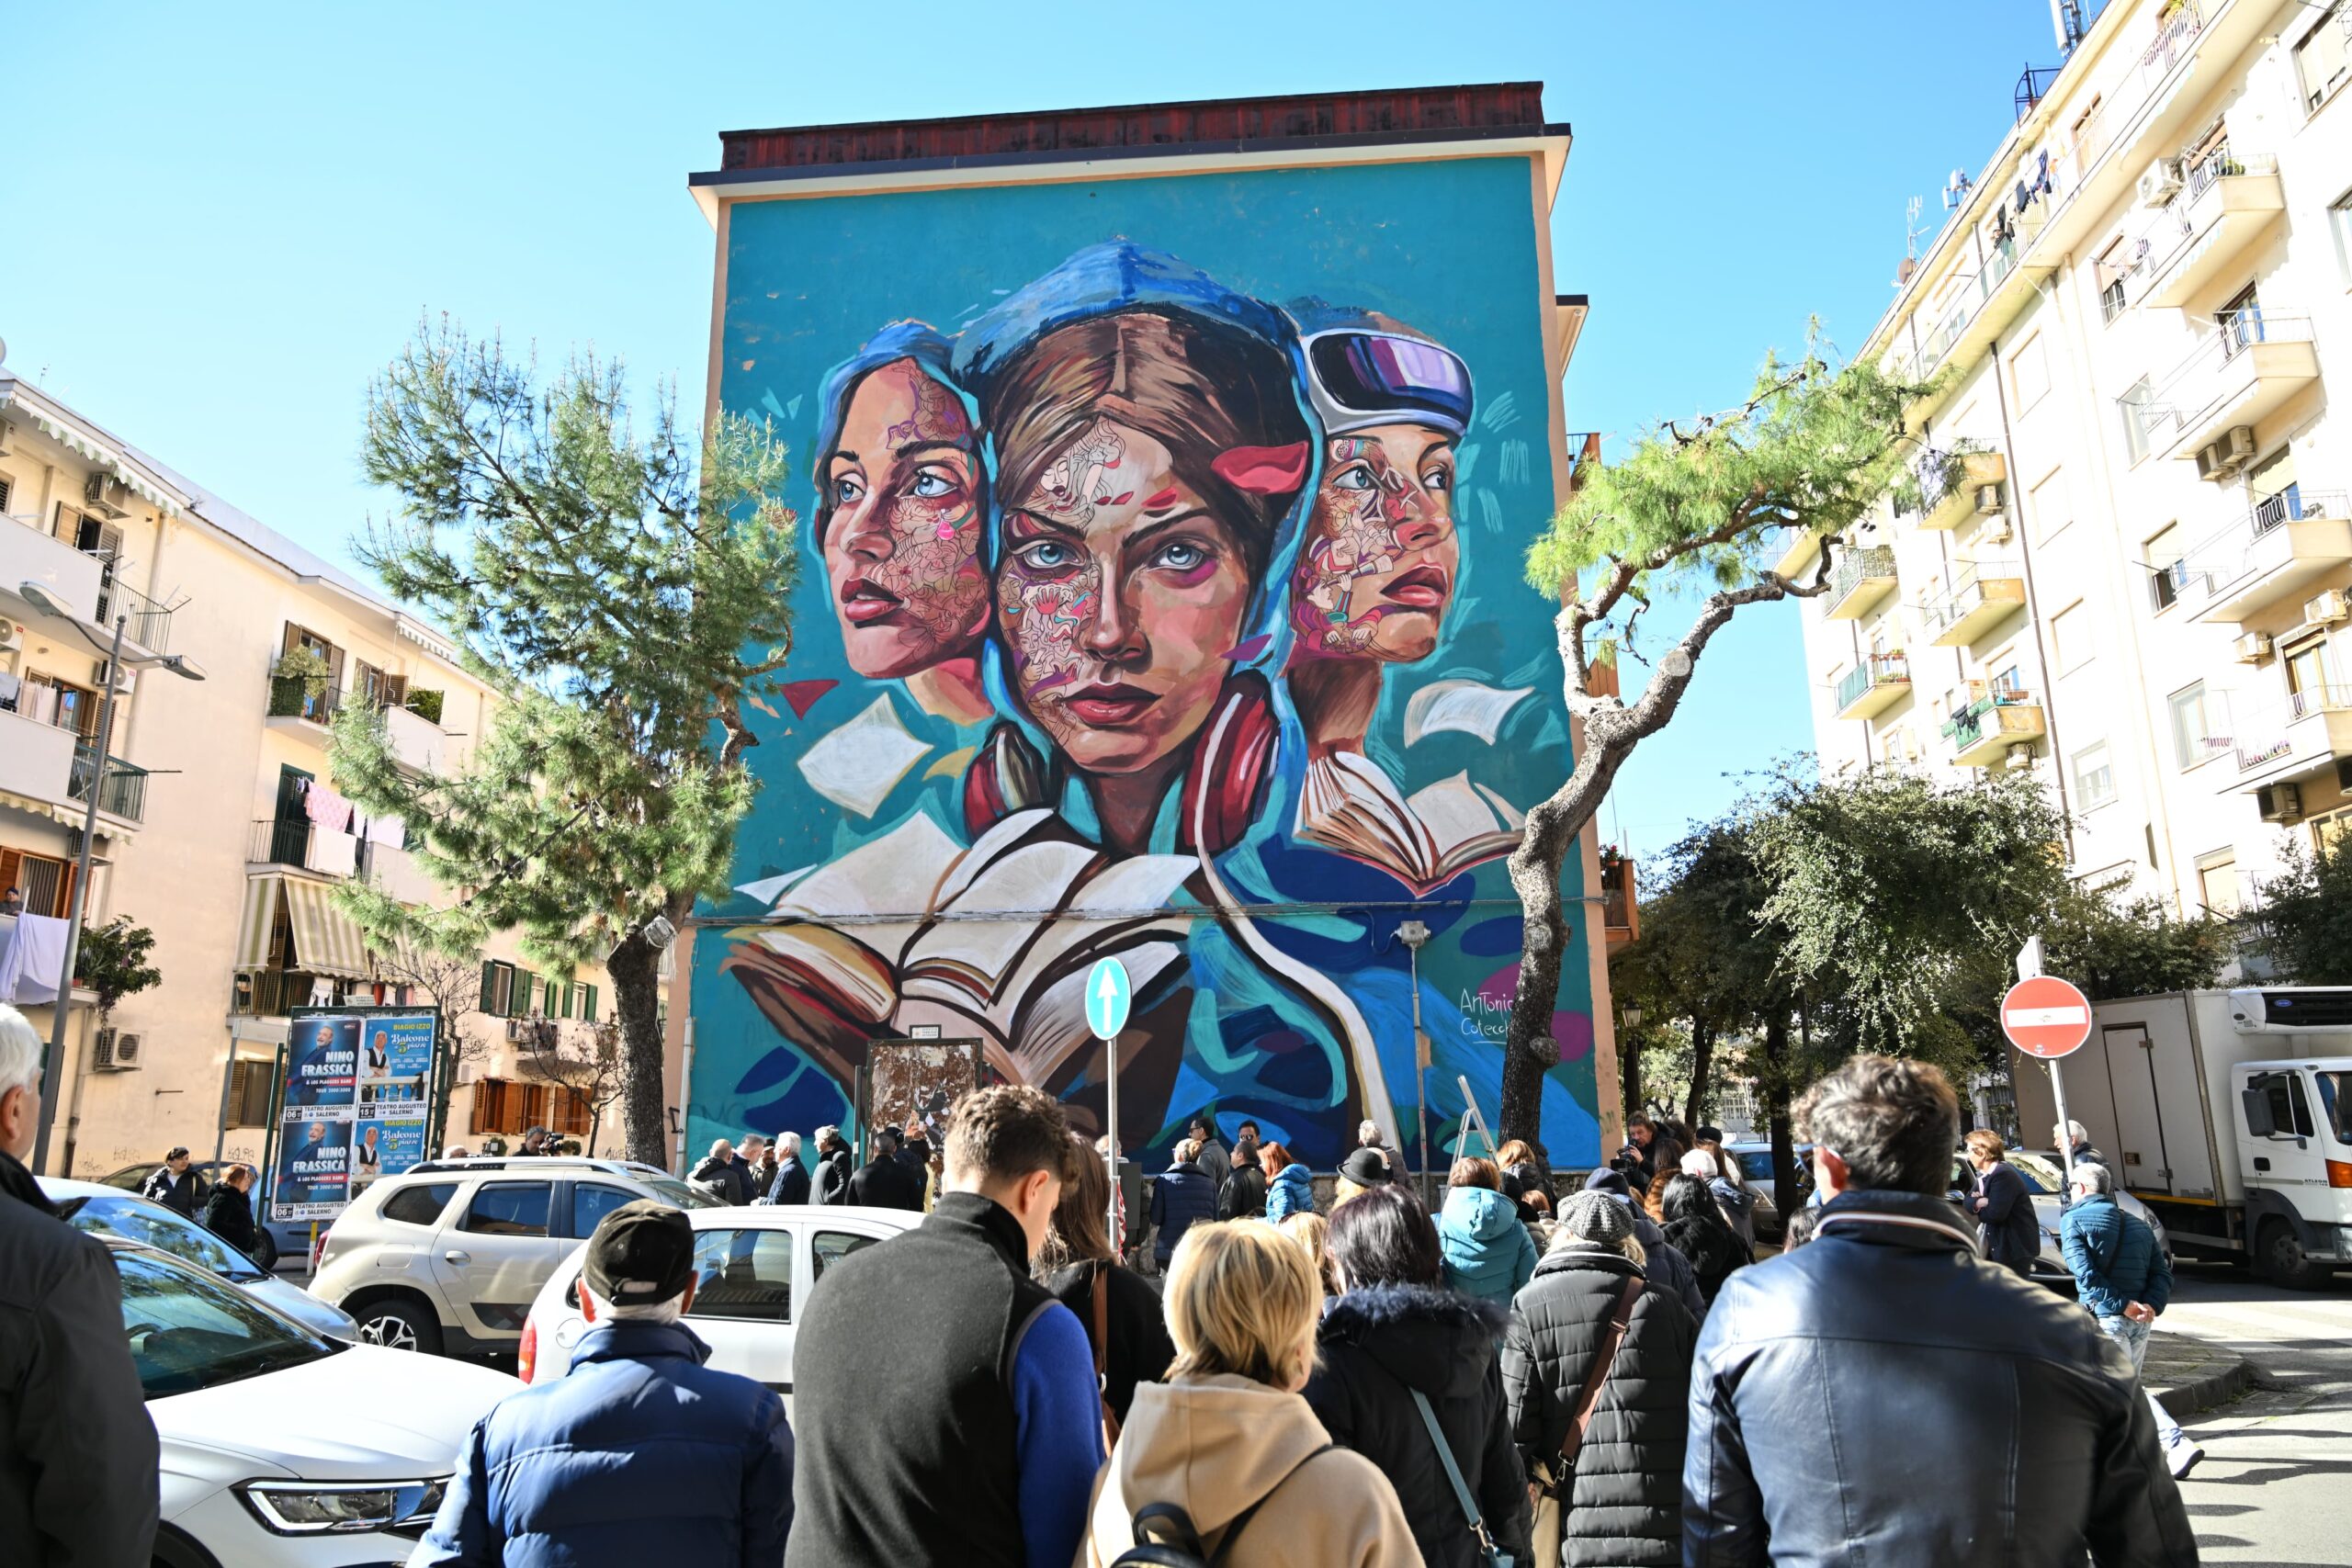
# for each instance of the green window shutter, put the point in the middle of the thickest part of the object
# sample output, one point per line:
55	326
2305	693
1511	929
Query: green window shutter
525	984
588	1000
488	984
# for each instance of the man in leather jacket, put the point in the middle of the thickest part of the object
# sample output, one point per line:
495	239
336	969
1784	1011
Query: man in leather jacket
1824	1378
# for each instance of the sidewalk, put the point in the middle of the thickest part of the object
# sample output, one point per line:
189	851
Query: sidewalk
2188	1375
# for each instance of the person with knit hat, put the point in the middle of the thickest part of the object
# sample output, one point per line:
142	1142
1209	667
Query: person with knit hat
1614	1492
1668	1265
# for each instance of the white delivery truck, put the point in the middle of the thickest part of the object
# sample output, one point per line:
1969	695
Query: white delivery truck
2228	1113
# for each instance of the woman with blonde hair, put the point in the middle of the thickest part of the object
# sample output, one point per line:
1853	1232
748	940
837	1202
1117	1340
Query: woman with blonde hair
1227	1446
1313	1232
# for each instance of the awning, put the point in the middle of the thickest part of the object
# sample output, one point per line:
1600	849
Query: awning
326	942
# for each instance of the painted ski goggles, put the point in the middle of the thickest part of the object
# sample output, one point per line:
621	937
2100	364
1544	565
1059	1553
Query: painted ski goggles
1358	378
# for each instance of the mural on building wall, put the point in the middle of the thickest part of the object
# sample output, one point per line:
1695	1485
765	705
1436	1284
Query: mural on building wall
1162	602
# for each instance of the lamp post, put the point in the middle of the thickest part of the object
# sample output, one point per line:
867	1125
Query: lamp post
1413	933
52	1065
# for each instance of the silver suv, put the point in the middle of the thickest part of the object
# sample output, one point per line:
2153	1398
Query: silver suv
448	1256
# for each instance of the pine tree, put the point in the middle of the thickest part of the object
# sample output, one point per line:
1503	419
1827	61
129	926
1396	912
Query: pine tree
625	595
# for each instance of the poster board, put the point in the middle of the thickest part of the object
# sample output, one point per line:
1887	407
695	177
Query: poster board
913	1083
352	1102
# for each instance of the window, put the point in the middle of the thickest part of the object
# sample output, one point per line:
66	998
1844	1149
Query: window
2094	777
2167	573
2113	267
2070	637
5	491
2010	680
249	1089
588	1003
2191	729
320	708
497	990
2308	681
2272	489
378	688
2240	322
421	1205
2325	57
832	1246
2290	1114
2339	223
2330	830
590	1201
743	1274
2030	372
45	884
509	1208
2133	406
2217	882
2051	507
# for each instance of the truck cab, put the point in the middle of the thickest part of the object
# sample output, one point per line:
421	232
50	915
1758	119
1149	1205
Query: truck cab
2294	1149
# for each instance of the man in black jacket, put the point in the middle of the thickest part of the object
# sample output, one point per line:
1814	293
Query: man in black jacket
791	1176
1820	1373
945	1403
78	1456
885	1183
833	1167
177	1185
229	1212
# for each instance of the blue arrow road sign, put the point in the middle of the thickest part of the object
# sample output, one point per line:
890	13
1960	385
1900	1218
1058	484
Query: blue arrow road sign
1107	996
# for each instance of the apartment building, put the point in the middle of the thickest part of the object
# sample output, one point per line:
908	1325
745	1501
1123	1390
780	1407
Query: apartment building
207	833
2141	589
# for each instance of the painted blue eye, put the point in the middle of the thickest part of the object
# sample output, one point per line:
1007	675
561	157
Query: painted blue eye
931	486
1181	556
1438	480
1046	555
1355	476
847	493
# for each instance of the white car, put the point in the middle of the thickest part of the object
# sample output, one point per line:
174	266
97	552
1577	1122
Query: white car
104	1211
282	1447
754	1267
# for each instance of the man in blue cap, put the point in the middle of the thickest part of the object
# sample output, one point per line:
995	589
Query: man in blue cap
642	1454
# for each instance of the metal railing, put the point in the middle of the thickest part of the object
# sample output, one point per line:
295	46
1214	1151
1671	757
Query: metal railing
268	993
2184	397
146	622
2226	558
1968	592
1878	670
2266	739
291	697
122	788
279	843
1859	566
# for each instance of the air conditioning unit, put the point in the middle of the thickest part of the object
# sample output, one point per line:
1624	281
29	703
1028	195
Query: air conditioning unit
2253	647
113	1052
2021	754
1996	532
126	679
2222	458
106	496
2161	183
2240	441
126	1050
2327	609
12	636
1988	499
2280	803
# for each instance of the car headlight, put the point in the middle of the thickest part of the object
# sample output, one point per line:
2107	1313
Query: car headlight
295	1508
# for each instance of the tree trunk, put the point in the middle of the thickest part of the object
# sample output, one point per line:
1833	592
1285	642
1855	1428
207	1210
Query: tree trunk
449	1046
635	966
1776	1100
1703	1063
1629	1071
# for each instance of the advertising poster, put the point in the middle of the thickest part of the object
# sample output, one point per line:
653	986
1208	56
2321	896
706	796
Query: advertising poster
356	1104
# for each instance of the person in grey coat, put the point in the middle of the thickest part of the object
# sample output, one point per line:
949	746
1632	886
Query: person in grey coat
78	1456
1214	1163
1663	1264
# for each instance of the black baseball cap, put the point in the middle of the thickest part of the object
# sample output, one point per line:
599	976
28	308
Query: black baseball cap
641	1252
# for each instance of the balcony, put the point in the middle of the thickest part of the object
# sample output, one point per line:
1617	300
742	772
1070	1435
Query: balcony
36	759
1983	734
1986	593
2243	374
269	993
2274	554
2308	734
1862	579
2226	204
27	553
1944	507
292	704
1874	686
145	622
122	788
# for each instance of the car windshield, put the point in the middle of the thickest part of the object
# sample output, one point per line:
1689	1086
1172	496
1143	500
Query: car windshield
152	1224
2335	1098
1756	1163
189	1331
684	1194
2040	1176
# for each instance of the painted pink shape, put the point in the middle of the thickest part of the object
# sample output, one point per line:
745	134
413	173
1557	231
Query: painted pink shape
801	695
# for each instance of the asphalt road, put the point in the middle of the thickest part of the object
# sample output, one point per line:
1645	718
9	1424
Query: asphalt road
2276	1484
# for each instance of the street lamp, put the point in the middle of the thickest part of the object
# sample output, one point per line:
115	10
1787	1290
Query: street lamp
39	598
1413	933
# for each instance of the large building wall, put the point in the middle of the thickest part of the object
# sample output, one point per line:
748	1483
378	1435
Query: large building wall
945	838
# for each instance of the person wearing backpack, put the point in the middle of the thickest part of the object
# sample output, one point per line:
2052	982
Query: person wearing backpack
1597	1366
1118	1308
1409	1381
1243	1195
1224	1464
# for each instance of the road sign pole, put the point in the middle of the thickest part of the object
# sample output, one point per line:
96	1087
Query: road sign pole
2052	1019
1111	1105
1108	995
2065	1140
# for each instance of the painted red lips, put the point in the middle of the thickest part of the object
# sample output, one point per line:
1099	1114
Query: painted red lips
1423	588
862	600
1108	706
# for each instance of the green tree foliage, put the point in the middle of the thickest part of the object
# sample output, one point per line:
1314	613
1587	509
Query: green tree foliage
112	962
625	592
1708	508
2112	945
2306	916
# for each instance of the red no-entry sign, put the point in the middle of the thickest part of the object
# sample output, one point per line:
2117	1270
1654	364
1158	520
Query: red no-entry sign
2046	1017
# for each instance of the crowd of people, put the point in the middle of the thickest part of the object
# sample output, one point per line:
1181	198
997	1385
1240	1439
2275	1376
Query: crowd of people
1367	1380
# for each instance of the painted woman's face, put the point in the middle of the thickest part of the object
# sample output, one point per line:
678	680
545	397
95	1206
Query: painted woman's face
902	545
1381	555
1121	595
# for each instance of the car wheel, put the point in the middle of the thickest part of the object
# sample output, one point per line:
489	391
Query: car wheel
2280	1258
398	1325
265	1254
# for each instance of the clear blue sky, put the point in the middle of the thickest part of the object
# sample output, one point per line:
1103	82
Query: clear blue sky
221	220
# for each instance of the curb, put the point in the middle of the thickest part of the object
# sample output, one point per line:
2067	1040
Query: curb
2217	1376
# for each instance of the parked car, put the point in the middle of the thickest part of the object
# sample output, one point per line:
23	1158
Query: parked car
1756	1165
279	1238
282	1447
2045	1178
754	1267
450	1255
106	1213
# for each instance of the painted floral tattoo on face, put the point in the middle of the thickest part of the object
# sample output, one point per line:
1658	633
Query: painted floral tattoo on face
1120	597
902	543
1381	555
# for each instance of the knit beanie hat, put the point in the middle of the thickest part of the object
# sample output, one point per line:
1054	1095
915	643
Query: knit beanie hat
1596	1219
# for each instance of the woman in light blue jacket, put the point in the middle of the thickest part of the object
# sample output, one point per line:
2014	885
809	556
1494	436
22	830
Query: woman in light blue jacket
1488	1254
1290	1188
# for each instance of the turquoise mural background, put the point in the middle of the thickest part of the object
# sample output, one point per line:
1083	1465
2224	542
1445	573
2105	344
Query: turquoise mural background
1450	249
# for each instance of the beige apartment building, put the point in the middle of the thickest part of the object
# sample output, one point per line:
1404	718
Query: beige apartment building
205	833
2142	593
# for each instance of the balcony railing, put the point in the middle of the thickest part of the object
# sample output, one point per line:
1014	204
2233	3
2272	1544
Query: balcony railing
269	993
1876	682
122	788
279	843
1983	594
291	697
145	622
2254	362
2270	737
1862	579
2285	544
